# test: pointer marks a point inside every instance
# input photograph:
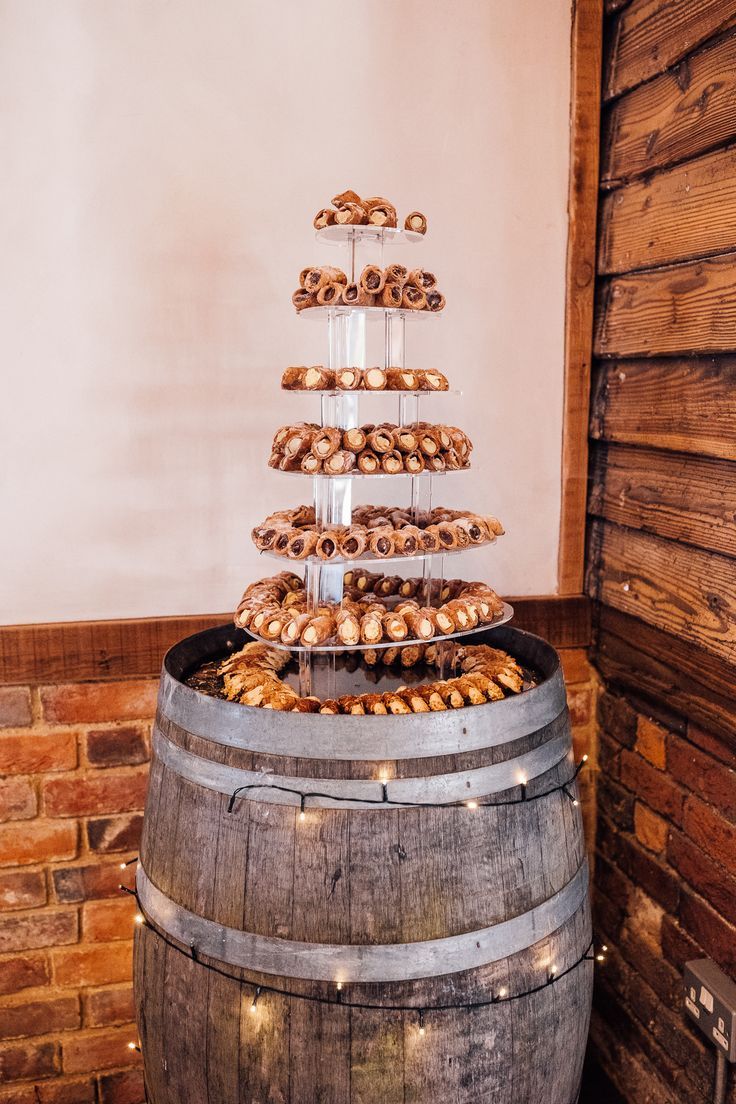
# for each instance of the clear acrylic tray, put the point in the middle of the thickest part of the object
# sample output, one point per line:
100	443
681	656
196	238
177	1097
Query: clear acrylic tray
371	560
340	392
375	475
337	646
382	235
374	314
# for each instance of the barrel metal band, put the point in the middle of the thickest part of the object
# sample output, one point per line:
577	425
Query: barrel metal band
313	736
361	963
439	789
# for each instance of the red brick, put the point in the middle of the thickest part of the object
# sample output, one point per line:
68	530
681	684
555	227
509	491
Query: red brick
100	1050
616	803
101	964
89	881
15	707
710	831
609	753
17	799
652	786
104	792
618	719
650	829
23	972
28	1061
122	746
576	666
712	932
705	776
21	1094
121	833
31	930
40	1017
92	702
67	1092
651	742
580	704
37	752
114	1005
712	744
22	889
38	841
703	873
677	945
105	921
122	1088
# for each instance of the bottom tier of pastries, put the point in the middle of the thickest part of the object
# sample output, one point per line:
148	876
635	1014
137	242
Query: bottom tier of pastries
254	677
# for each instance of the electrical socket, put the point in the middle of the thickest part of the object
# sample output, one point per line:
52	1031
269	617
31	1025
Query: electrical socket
710	1001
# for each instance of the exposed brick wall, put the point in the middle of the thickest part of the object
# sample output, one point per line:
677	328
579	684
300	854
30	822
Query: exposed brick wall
73	774
665	892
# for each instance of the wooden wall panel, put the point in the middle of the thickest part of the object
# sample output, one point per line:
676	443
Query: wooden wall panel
652	35
684	405
684	591
676	116
684	212
687	308
671	495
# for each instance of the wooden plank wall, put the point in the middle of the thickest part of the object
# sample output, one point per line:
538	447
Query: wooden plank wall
661	560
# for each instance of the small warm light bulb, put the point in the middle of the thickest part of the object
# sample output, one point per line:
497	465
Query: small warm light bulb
522	778
132	1046
600	958
604	948
575	801
256	995
138	918
502	992
123	866
421	1023
585	757
302	814
339	986
552	971
471	804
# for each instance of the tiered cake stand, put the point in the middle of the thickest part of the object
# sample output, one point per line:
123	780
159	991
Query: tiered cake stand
333	495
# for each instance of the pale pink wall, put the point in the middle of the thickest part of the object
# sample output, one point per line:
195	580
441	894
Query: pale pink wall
161	162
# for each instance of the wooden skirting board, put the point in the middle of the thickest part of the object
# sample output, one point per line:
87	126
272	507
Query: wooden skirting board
81	651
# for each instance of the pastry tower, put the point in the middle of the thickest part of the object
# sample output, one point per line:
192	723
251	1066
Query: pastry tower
379	581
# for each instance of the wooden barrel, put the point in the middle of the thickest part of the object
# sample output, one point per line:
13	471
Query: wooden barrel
420	932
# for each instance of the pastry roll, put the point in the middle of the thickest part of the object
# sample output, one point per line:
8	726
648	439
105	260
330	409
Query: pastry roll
301	545
290	463
381	439
350	214
404	439
421	623
281	543
318	631
409	588
472	694
303	276
348	379
394	626
263	536
294	627
280	436
373	703
372	279
317	278
429	539
328	544
414	463
380	211
317	378
474	528
434	381
364	581
444	436
323	218
389	656
387	586
416	221
381	541
396	274
354	440
489	688
351	704
326	442
395	704
392	462
346	197
354	542
389	297
412	298
330	707
453	461
347	627
340	463
330	295
406	539
428	442
444	621
368	462
353	295
293	378
459	613
494	525
412	654
413	699
421	278
435	300
311	464
433	698
274	459
370	656
306	705
374	379
451	694
303	298
298	440
371	628
435	463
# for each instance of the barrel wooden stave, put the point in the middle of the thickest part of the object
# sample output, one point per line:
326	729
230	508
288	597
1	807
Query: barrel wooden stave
361	877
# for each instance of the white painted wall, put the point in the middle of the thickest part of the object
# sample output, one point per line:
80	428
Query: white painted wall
161	164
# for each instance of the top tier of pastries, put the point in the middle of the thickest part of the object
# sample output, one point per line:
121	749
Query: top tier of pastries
349	209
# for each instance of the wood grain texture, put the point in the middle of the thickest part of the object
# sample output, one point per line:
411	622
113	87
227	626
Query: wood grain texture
646	662
85	650
674	117
682	309
652	35
580	287
682	590
683	405
671	495
684	212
